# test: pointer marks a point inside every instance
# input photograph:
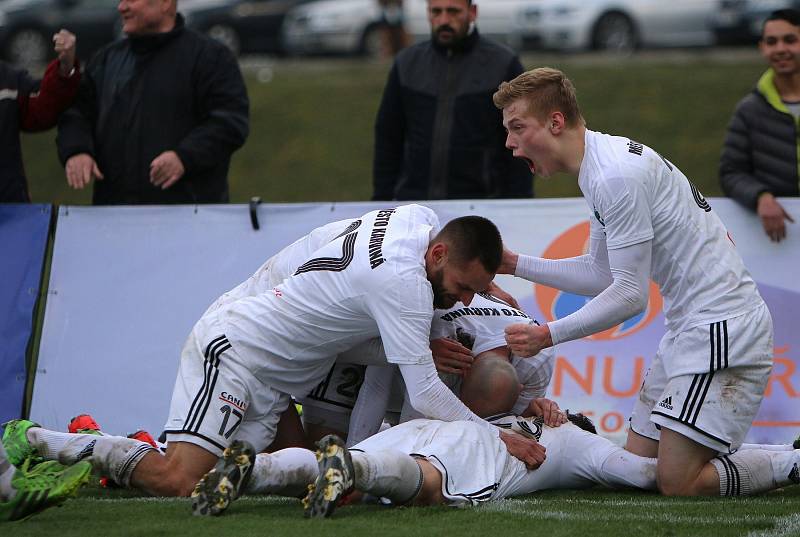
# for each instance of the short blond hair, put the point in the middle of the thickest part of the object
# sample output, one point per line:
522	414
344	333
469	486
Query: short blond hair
547	90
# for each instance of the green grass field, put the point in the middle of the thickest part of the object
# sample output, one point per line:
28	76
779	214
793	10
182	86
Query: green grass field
594	513
311	121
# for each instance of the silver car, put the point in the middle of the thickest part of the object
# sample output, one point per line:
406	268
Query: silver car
623	25
352	26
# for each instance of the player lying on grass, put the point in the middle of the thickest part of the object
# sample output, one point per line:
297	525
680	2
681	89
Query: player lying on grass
378	276
34	487
475	466
473	463
424	462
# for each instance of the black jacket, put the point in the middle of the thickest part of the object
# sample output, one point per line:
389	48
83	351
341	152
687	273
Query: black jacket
761	147
141	96
437	133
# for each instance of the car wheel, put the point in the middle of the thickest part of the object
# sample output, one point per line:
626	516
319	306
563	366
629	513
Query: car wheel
372	42
28	48
226	35
614	32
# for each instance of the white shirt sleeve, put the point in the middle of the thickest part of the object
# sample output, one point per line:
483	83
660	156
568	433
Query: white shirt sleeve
371	404
429	396
624	298
403	313
586	275
534	374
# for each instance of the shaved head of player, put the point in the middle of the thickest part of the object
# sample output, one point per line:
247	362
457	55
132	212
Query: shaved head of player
491	386
462	260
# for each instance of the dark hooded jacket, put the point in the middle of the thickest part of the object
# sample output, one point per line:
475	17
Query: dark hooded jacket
438	134
141	96
761	147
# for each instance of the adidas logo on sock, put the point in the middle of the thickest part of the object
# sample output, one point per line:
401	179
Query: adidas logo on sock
87	451
666	403
794	475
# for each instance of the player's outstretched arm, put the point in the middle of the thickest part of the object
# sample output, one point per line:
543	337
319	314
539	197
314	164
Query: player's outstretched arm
586	275
429	396
625	297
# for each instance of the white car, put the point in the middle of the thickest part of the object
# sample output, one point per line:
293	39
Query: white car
351	26
623	25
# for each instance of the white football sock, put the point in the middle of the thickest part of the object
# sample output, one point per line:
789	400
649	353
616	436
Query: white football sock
7	471
753	471
114	456
286	472
624	469
766	447
387	473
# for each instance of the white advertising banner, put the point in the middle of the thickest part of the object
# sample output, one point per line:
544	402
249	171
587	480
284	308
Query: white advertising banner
128	283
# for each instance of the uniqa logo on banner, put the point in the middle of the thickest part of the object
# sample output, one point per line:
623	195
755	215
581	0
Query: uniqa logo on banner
556	304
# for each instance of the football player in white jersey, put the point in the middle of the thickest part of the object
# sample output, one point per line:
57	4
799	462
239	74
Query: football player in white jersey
345	406
649	221
380	276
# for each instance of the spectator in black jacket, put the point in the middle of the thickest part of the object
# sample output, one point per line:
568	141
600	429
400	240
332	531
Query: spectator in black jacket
437	133
158	114
760	156
31	105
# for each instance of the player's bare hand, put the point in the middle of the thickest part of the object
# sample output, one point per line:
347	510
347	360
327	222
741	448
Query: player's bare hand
508	264
552	415
528	450
166	169
64	47
450	356
81	169
773	217
526	340
497	292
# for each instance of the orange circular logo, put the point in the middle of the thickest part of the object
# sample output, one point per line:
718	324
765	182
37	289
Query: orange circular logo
556	304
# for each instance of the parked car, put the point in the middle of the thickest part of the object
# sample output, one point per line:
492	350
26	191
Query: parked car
27	27
352	26
622	25
740	21
242	25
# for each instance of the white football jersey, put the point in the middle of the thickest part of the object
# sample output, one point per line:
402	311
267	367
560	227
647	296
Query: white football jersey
369	281
481	327
635	195
281	265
